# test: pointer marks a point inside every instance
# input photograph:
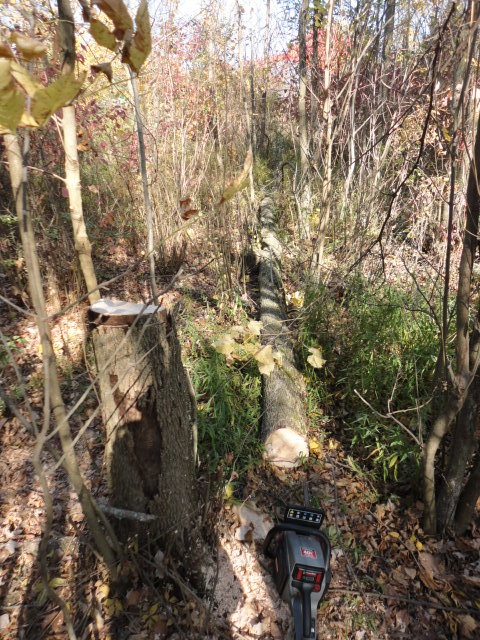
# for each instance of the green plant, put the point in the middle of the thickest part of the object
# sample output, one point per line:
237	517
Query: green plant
228	397
381	343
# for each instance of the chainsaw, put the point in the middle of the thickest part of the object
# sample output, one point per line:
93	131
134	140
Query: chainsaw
301	565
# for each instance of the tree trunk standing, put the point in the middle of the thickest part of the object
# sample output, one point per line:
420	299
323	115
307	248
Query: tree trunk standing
263	118
146	192
328	128
314	75
468	500
66	27
284	423
19	180
388	32
303	182
148	417
467	360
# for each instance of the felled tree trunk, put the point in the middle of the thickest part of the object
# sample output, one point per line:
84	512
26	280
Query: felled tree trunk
284	423
148	417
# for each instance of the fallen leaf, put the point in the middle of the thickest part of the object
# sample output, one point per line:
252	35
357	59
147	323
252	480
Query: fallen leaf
468	626
264	357
4	621
315	359
225	345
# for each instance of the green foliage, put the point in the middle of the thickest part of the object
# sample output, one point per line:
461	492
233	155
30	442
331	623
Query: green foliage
378	341
228	400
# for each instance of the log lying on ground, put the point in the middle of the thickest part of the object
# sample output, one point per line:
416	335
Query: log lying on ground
284	423
148	416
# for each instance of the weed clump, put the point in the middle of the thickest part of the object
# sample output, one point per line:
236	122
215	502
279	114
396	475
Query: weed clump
379	343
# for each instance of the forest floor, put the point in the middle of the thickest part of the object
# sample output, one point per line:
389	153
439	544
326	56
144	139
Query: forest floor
389	579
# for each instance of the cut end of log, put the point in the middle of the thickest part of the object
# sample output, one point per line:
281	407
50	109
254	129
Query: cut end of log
285	448
109	307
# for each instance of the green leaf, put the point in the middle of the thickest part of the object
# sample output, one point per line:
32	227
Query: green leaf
56	582
137	51
102	35
11	99
59	93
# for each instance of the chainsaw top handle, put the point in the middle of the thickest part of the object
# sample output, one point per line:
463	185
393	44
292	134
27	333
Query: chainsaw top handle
296	528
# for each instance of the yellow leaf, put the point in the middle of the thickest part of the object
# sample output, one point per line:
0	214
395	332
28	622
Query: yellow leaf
58	93
394	534
315	359
137	51
25	80
240	181
224	345
419	545
103	591
264	357
29	48
296	299
102	35
228	491
254	327
11	99
314	445
118	14
237	331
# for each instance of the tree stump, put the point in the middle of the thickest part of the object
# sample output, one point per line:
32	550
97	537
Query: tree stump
284	423
148	417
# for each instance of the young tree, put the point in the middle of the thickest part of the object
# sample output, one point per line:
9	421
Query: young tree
66	29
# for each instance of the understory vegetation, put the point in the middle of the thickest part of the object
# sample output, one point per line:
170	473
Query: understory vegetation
138	141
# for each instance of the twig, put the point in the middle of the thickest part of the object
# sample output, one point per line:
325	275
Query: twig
389	416
123	514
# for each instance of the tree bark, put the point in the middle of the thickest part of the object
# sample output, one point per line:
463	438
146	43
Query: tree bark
148	417
467	358
388	31
284	423
83	247
263	117
19	179
303	183
146	192
468	500
327	127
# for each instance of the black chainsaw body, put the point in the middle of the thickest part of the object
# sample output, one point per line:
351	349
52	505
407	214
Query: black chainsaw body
301	565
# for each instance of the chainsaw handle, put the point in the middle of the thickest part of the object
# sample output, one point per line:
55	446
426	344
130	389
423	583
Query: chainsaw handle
296	528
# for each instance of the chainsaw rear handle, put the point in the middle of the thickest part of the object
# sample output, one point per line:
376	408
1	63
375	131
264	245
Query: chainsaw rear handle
296	528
